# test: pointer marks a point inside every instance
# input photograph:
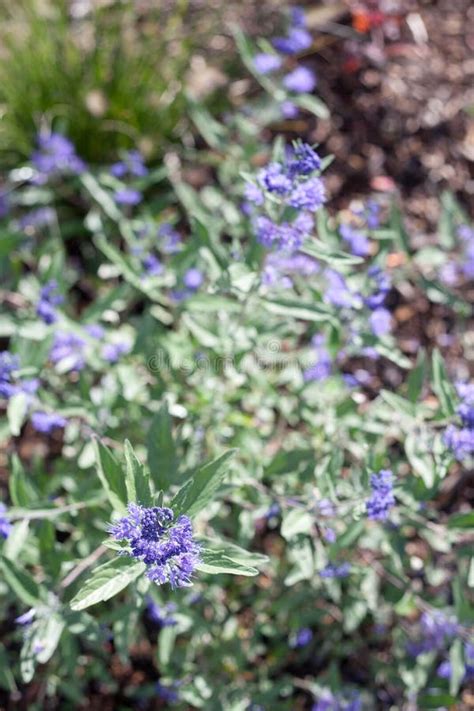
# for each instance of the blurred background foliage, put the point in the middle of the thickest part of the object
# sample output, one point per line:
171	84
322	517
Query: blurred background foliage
109	75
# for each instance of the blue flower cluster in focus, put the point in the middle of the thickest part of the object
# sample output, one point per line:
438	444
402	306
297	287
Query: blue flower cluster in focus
164	544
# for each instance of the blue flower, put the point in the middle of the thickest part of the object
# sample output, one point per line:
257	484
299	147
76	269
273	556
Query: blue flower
358	242
152	265
301	80
380	322
289	110
68	350
128	196
253	194
170	239
5	525
4	205
322	367
336	570
337	292
55	155
303	160
8	365
111	352
309	195
382	499
302	638
47	422
48	299
193	279
165	545
95	330
161	614
274	179
168	694
34	219
27	617
297	40
132	165
265	63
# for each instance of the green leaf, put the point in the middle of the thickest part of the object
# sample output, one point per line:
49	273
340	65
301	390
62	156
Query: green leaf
111	475
162	459
462	520
201	488
457	666
234	552
137	479
296	309
317	249
399	404
107	580
420	459
21	490
416	378
48	635
16	412
215	562
101	196
312	104
22	584
296	522
442	386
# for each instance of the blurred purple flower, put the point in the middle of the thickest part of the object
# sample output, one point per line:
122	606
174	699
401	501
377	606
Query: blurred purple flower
47	422
265	63
128	196
5	525
193	279
301	80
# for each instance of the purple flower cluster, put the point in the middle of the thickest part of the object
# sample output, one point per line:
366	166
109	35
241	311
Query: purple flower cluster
337	291
165	545
5	525
8	365
170	239
436	630
322	366
9	384
46	422
300	81
297	39
111	352
302	638
382	499
48	299
293	184
55	155
444	670
280	267
4	205
336	570
132	165
266	62
68	351
380	319
161	615
193	279
460	438
328	701
454	270
169	694
128	197
34	219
